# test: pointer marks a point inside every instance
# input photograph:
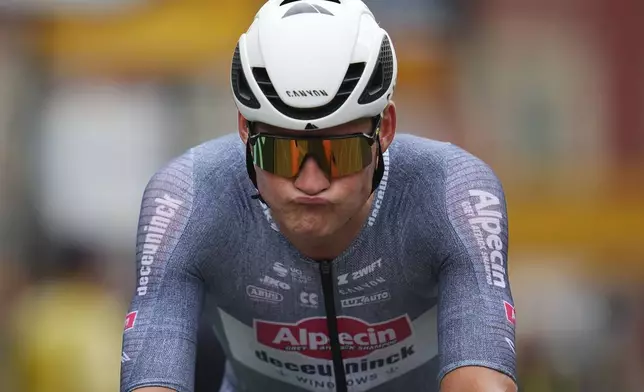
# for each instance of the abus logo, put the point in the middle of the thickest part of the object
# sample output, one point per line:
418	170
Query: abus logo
365	299
267	280
263	294
488	221
310	337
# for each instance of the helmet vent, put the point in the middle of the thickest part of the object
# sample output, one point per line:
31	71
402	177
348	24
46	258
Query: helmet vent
351	79
241	89
264	82
305	8
382	75
285	2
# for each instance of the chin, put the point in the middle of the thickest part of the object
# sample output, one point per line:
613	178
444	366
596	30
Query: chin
312	225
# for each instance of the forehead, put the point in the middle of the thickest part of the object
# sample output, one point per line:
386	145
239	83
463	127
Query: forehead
362	125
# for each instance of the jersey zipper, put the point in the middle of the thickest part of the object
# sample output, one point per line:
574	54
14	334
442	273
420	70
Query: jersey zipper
332	326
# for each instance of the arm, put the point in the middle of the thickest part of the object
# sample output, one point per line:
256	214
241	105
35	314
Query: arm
161	326
476	312
476	379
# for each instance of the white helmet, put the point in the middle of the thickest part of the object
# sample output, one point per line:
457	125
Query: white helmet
307	64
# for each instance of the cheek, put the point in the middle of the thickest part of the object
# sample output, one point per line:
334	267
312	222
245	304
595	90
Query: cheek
270	184
356	184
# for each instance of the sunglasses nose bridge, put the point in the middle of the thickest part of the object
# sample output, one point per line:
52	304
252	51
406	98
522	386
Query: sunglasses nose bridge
318	163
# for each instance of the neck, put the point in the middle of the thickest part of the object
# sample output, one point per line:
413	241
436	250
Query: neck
330	247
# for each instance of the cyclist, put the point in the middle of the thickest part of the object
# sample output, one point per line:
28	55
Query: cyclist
326	255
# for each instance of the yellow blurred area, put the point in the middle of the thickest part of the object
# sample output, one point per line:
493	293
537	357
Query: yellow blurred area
177	37
161	36
602	221
66	337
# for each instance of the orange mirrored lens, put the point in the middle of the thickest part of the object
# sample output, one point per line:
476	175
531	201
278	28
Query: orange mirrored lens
335	157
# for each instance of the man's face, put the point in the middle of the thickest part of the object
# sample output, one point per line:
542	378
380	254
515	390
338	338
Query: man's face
312	204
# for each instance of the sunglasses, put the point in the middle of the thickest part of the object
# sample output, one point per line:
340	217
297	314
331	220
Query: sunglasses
336	156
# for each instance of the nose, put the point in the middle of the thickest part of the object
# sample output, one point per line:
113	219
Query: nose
311	179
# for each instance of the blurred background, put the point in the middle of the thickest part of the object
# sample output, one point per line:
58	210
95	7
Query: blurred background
96	95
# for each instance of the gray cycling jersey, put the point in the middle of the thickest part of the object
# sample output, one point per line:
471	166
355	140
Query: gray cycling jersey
421	291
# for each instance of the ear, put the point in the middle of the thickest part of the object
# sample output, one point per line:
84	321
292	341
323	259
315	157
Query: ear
242	127
388	126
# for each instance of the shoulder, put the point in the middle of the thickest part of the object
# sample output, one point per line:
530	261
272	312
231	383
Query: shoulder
437	168
220	153
439	178
433	160
189	203
205	180
210	164
220	166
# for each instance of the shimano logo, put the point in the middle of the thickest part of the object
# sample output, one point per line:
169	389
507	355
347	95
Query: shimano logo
166	209
297	274
306	93
280	270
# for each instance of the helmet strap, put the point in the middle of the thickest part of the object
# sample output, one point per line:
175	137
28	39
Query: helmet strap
380	168
250	168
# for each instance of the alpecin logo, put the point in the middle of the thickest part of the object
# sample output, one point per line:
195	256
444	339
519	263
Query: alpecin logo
310	337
